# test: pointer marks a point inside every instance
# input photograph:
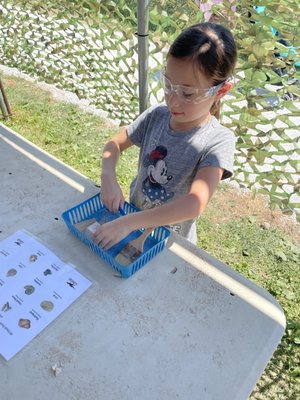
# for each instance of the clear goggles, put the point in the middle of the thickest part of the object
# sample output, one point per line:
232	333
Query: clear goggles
188	94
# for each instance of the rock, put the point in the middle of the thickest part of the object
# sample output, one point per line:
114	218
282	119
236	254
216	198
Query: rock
265	225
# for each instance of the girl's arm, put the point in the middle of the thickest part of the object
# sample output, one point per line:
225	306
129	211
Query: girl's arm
187	207
111	193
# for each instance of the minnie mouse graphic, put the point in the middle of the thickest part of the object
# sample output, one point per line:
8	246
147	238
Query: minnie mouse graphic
157	171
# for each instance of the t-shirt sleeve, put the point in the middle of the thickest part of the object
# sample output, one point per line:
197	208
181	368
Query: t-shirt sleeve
221	154
137	129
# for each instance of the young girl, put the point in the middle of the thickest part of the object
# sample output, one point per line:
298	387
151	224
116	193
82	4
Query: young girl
184	151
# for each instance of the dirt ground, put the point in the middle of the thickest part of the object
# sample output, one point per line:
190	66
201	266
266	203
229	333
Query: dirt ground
232	204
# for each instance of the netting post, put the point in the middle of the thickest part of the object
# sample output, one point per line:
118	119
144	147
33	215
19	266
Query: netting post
4	105
143	52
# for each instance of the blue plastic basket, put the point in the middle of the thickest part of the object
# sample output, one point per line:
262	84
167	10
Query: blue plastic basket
94	208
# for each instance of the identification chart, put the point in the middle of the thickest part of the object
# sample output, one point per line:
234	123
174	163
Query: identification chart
35	287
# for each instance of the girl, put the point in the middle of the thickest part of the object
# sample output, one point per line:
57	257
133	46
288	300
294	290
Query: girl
184	151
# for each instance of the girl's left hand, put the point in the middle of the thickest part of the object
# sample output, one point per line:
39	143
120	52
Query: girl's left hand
111	233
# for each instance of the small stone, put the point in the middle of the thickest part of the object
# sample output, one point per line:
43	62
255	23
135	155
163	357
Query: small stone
56	370
265	225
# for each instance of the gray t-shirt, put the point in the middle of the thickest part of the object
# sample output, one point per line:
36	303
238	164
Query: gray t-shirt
169	160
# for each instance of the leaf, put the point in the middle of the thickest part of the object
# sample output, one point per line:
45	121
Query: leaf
251	58
258	77
259	51
293	325
184	17
269	45
252	219
295	249
75	146
280	255
289	295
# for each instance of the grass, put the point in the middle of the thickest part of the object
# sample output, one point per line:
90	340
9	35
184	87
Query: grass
236	229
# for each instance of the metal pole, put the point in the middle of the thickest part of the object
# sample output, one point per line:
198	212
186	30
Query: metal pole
143	52
4	105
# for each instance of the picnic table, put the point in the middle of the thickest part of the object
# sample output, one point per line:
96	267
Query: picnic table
185	326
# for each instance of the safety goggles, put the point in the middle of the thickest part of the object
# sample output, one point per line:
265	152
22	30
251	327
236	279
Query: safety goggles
188	94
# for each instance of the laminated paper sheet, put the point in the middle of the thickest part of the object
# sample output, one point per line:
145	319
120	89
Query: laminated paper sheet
35	287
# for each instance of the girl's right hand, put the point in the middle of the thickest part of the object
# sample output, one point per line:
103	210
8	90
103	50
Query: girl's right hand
110	233
111	194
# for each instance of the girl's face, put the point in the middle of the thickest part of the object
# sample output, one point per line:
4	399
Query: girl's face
187	115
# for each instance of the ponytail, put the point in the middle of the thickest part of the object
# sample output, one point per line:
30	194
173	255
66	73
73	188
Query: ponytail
215	109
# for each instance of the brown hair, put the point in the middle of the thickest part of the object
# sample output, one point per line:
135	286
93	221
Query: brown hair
212	50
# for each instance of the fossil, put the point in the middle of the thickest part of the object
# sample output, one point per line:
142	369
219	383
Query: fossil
24	323
33	258
29	289
11	272
47	305
6	307
47	272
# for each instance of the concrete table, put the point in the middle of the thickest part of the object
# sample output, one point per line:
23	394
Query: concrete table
185	326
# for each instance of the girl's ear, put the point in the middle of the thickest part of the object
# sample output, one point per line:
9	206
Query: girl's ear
224	89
